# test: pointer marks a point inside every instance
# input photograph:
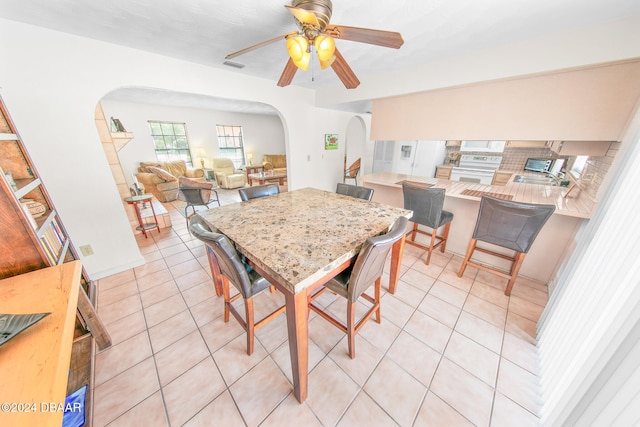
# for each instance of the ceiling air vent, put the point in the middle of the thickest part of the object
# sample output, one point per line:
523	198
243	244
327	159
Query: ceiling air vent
233	64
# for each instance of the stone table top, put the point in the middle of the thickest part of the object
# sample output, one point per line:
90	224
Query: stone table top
299	236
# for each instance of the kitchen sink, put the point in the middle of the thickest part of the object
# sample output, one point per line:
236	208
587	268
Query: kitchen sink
539	180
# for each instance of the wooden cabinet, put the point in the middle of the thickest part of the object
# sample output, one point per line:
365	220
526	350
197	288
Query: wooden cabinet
581	148
34	237
501	178
453	143
526	144
443	172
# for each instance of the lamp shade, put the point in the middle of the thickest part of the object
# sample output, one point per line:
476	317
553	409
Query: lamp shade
298	49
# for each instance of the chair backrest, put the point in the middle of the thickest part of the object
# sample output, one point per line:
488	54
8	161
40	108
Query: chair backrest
353	170
354	191
370	262
512	225
223	165
194	192
228	260
426	203
258	191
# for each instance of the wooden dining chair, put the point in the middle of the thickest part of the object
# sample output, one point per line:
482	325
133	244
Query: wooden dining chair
358	192
248	193
352	171
232	269
511	225
355	280
426	204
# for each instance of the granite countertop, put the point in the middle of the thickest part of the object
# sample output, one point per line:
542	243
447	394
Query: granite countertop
578	204
298	236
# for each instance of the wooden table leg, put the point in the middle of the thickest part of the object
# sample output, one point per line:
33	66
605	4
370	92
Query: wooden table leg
396	258
215	271
297	325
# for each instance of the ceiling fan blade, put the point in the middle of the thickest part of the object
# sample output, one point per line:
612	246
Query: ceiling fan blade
259	45
344	72
303	15
288	73
365	35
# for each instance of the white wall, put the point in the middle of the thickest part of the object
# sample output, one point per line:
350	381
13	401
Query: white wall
51	88
263	134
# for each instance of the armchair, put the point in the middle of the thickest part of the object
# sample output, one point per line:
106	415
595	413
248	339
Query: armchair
227	175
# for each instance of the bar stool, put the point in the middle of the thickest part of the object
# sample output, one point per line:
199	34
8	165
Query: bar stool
426	204
511	225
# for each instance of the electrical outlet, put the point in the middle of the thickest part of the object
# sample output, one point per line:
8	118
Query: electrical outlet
86	250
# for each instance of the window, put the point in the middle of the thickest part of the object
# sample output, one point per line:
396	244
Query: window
579	165
231	144
170	140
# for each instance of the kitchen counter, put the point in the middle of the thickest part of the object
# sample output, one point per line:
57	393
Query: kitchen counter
552	244
577	205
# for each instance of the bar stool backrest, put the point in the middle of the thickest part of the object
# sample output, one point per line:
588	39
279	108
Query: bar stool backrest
426	204
512	225
230	263
258	191
356	191
370	262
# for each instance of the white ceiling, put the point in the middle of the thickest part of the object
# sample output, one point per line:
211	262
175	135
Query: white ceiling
205	31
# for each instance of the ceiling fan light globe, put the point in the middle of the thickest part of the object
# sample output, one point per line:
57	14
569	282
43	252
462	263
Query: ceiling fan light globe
297	47
303	63
325	46
326	64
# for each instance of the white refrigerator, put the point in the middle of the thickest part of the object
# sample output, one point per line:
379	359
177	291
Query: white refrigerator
418	158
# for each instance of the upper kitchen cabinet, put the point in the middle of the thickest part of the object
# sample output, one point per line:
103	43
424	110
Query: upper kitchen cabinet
526	144
580	148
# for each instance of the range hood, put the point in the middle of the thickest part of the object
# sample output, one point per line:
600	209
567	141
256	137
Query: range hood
483	146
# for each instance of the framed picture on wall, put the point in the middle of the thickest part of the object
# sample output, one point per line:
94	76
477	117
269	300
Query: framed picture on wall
330	141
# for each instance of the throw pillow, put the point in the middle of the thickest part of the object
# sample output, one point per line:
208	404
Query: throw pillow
161	173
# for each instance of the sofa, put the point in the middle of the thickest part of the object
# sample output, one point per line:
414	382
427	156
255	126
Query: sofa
161	178
275	162
226	173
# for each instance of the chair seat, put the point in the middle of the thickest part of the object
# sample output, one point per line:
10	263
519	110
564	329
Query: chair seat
258	283
340	283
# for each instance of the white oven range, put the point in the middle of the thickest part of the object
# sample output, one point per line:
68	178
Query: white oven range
476	168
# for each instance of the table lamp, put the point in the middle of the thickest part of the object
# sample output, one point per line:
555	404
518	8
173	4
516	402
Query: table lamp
250	158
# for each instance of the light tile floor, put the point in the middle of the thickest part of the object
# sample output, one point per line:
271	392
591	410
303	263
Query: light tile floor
449	352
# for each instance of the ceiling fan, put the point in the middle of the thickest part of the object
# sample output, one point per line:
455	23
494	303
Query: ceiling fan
315	32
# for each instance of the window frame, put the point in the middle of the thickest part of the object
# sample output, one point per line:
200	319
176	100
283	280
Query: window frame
175	152
237	148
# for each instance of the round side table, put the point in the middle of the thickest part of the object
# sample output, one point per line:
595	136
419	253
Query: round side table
135	201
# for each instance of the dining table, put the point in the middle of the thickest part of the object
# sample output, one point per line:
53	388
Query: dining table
298	240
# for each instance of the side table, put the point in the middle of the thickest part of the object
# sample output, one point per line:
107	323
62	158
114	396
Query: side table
135	201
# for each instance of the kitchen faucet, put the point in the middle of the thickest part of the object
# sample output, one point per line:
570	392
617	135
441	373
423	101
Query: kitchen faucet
556	178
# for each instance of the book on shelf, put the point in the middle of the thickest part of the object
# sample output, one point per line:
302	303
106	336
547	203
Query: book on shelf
54	243
47	250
